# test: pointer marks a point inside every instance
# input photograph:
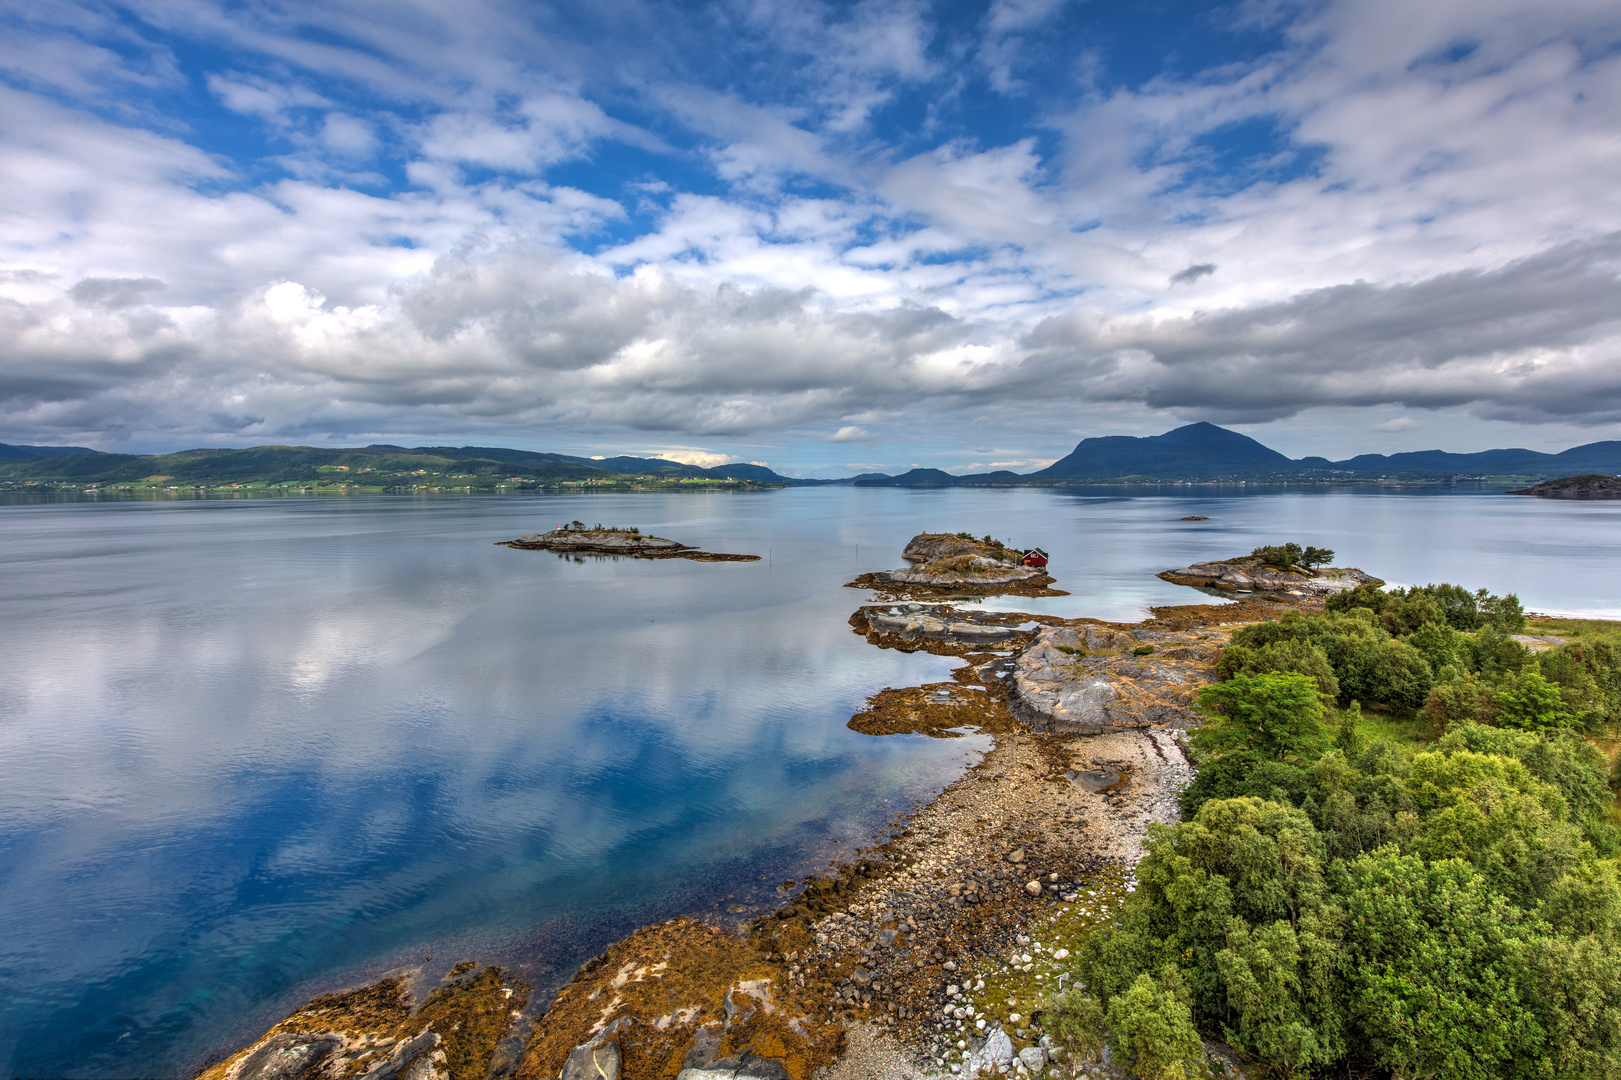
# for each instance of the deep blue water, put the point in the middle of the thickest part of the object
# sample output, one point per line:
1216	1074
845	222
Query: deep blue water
254	749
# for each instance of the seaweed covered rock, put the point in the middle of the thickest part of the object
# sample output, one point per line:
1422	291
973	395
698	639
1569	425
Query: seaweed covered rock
374	1033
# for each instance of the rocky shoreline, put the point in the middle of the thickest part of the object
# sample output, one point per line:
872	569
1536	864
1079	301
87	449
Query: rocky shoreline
925	955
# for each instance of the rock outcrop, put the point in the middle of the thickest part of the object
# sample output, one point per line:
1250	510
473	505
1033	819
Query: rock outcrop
1249	574
945	560
373	1033
1088	680
935	622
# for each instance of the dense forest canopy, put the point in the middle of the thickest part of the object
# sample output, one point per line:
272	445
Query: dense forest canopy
1441	908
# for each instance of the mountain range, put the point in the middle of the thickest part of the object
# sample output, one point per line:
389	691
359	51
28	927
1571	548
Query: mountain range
1195	452
1207	452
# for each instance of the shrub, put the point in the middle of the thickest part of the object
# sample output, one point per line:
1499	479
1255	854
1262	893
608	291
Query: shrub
1075	1020
1281	556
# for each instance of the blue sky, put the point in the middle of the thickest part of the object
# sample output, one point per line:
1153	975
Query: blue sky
830	237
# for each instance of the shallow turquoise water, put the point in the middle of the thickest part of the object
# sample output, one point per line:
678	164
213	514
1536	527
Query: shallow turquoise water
253	749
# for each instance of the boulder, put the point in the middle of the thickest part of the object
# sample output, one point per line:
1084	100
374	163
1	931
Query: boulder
596	1060
994	1054
1033	1058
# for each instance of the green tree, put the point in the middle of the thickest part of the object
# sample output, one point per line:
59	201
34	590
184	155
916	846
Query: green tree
1151	1028
1532	703
1502	612
1433	962
1281	985
1276	715
1316	556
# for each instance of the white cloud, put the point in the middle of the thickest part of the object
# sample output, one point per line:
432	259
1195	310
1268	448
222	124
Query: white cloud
1400	423
850	433
704	459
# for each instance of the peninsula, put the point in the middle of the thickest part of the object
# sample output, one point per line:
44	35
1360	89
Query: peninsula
1590	486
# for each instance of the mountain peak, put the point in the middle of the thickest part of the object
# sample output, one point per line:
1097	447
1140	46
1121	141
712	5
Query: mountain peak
1200	450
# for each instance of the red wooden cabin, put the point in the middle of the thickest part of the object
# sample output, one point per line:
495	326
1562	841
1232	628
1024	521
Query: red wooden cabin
1035	557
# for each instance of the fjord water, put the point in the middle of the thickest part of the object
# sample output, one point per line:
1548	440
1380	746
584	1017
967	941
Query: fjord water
251	750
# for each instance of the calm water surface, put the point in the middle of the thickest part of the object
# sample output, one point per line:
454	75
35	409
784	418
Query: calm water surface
251	750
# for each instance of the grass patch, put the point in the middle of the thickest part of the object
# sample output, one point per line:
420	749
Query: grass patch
1408	730
1573	628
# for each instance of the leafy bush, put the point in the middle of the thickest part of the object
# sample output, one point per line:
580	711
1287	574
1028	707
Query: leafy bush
1153	1030
1454	605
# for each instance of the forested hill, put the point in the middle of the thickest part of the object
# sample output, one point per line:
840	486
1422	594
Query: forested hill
1196	452
378	466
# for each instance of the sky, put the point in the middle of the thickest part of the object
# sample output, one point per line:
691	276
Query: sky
828	237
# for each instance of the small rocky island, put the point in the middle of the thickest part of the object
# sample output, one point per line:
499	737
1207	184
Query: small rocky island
957	562
575	537
1285	570
1591	486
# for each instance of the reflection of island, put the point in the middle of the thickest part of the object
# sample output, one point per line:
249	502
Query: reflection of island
575	537
958	563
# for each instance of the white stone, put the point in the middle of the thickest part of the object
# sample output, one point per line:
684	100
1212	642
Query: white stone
1033	1058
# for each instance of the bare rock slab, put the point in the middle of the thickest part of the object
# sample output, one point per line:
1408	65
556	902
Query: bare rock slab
1089	680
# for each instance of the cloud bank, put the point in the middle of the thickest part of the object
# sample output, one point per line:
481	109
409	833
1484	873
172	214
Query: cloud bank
741	228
